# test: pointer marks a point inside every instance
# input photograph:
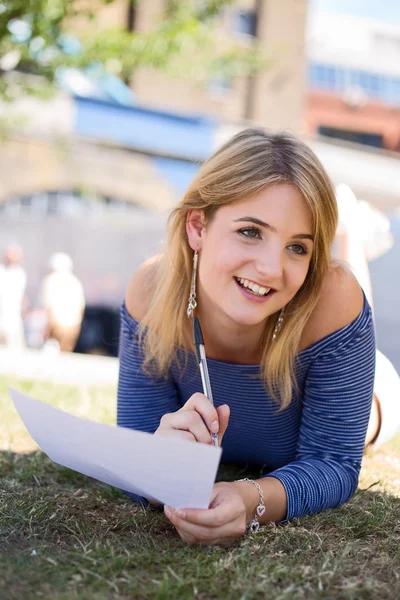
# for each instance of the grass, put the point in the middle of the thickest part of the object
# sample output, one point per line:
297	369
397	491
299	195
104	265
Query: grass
63	535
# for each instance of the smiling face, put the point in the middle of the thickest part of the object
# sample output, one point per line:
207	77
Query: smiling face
254	255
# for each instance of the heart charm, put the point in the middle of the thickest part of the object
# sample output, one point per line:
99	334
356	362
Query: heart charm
260	510
254	526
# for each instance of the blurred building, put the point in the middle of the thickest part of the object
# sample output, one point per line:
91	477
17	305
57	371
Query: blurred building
354	80
102	166
274	98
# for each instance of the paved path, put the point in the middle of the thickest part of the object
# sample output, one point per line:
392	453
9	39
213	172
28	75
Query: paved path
73	369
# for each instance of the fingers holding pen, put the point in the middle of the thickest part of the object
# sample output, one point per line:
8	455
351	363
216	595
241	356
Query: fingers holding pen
196	420
216	419
185	422
202	405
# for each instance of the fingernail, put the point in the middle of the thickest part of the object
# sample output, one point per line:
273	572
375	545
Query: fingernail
181	514
168	511
214	427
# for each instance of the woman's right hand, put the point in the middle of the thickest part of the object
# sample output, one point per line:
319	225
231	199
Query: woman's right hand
196	420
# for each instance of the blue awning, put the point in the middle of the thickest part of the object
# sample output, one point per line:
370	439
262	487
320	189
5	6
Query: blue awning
146	130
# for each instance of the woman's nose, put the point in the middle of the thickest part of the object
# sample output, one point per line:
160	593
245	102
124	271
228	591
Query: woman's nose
270	265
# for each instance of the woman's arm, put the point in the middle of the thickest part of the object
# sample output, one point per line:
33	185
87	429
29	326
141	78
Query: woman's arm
336	404
142	400
275	499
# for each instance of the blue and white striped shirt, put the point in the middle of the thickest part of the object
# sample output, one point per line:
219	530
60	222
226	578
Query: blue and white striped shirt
314	447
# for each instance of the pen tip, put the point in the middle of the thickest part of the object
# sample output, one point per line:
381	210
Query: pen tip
198	336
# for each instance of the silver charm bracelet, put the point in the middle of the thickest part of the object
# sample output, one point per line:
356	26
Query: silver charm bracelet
254	524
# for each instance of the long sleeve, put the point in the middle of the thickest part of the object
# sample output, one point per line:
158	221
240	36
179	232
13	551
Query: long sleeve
336	407
142	399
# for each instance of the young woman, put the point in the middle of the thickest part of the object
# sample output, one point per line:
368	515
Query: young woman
288	333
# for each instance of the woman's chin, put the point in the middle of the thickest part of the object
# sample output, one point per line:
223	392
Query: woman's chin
247	319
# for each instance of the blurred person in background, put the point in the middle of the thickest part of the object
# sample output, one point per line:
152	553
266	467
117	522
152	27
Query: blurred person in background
64	301
12	296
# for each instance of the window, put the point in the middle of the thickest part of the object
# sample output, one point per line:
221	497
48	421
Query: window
312	75
316	74
246	22
330	78
64	204
355	79
382	93
364	81
357	137
131	20
340	80
220	86
374	88
326	77
394	91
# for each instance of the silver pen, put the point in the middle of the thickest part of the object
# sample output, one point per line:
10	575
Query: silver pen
202	360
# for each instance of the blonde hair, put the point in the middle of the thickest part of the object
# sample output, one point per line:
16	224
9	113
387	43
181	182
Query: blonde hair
249	162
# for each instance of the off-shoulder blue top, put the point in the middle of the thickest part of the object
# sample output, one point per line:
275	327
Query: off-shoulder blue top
314	447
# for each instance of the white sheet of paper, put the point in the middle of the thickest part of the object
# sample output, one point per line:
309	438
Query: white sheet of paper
174	472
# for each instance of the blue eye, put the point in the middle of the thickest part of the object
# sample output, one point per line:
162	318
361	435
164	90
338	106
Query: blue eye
250	232
298	249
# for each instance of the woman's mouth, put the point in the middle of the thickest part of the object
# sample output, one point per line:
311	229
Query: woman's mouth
253	288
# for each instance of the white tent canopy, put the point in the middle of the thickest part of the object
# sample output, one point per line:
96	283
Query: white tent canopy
373	175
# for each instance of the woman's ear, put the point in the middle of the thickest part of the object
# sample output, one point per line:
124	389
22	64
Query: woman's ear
195	228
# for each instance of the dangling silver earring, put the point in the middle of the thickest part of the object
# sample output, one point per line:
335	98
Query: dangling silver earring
192	297
278	325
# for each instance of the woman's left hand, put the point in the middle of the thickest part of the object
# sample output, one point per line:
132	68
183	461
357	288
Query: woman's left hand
220	524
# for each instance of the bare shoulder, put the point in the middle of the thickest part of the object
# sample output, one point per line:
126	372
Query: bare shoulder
141	287
340	302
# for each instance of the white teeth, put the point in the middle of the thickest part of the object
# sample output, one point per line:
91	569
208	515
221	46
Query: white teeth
254	287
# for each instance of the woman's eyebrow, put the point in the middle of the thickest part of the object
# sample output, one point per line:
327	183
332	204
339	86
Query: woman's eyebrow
298	236
257	222
304	236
